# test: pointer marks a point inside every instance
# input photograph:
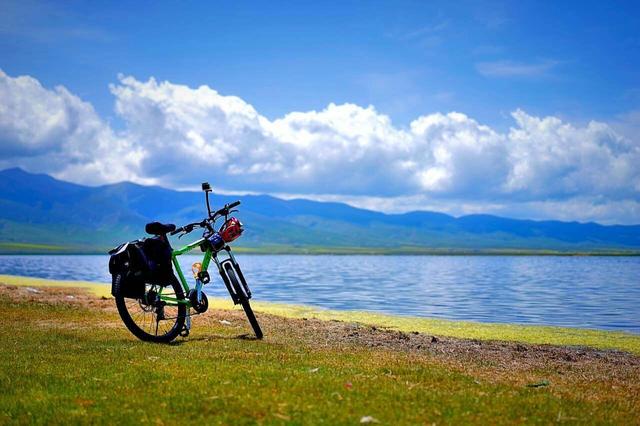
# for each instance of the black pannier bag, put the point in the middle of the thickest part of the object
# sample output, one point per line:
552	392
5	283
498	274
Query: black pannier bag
138	262
158	254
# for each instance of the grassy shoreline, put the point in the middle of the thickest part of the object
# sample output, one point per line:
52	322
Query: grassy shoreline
533	334
68	359
39	249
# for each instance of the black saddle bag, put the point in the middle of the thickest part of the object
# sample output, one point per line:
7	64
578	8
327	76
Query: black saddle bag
138	262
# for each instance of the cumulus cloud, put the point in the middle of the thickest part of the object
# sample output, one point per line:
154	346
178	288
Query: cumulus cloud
343	149
176	136
54	131
550	158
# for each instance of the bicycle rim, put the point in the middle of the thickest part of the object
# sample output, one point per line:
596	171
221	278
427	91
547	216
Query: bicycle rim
150	318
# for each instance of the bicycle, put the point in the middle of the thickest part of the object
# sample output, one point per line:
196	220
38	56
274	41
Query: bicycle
157	306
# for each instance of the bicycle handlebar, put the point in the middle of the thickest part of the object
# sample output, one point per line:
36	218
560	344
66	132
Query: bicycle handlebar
225	210
186	228
222	212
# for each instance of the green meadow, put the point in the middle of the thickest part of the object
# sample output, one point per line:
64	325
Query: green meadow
67	358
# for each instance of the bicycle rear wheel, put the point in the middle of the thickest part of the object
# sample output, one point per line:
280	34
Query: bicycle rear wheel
151	319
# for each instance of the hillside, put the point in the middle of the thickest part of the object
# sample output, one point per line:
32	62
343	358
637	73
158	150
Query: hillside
39	213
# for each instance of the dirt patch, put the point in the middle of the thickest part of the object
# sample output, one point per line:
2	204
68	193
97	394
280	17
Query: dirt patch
506	355
57	295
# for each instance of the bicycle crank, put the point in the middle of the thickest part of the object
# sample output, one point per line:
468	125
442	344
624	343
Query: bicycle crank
201	304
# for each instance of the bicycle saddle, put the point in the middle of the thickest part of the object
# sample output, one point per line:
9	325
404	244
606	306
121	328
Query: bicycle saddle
157	228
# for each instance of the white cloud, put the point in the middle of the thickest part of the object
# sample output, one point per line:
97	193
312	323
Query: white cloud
583	209
178	136
426	30
515	69
54	131
46	22
458	155
550	158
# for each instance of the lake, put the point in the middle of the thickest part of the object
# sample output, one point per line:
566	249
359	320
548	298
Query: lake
586	292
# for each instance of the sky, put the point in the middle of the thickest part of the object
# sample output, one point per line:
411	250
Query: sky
521	109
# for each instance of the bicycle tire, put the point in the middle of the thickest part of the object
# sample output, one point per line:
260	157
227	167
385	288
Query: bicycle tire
252	319
171	333
244	301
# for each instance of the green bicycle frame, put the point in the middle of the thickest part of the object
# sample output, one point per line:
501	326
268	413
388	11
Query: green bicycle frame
206	261
173	301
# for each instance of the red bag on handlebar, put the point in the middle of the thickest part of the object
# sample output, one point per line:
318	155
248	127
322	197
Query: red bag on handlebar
231	230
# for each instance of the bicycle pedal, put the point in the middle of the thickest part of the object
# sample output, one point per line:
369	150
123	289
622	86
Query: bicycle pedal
186	327
184	332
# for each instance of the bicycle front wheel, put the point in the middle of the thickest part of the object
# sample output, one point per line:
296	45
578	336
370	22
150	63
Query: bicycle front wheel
244	301
152	318
252	319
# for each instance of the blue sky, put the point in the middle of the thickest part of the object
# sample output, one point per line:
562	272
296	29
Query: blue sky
576	62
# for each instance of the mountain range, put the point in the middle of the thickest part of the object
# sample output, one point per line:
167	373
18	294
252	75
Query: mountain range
41	214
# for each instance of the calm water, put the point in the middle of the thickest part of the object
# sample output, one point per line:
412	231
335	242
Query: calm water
592	292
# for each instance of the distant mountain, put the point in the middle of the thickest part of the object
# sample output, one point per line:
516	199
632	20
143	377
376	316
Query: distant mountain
39	213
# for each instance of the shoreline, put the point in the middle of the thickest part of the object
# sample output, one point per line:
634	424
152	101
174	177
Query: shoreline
365	252
25	249
508	332
306	370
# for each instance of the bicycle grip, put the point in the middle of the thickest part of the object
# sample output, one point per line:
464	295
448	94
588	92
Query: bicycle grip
234	204
177	231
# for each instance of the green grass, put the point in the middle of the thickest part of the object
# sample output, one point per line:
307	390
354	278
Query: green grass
19	248
428	251
460	329
64	364
10	247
